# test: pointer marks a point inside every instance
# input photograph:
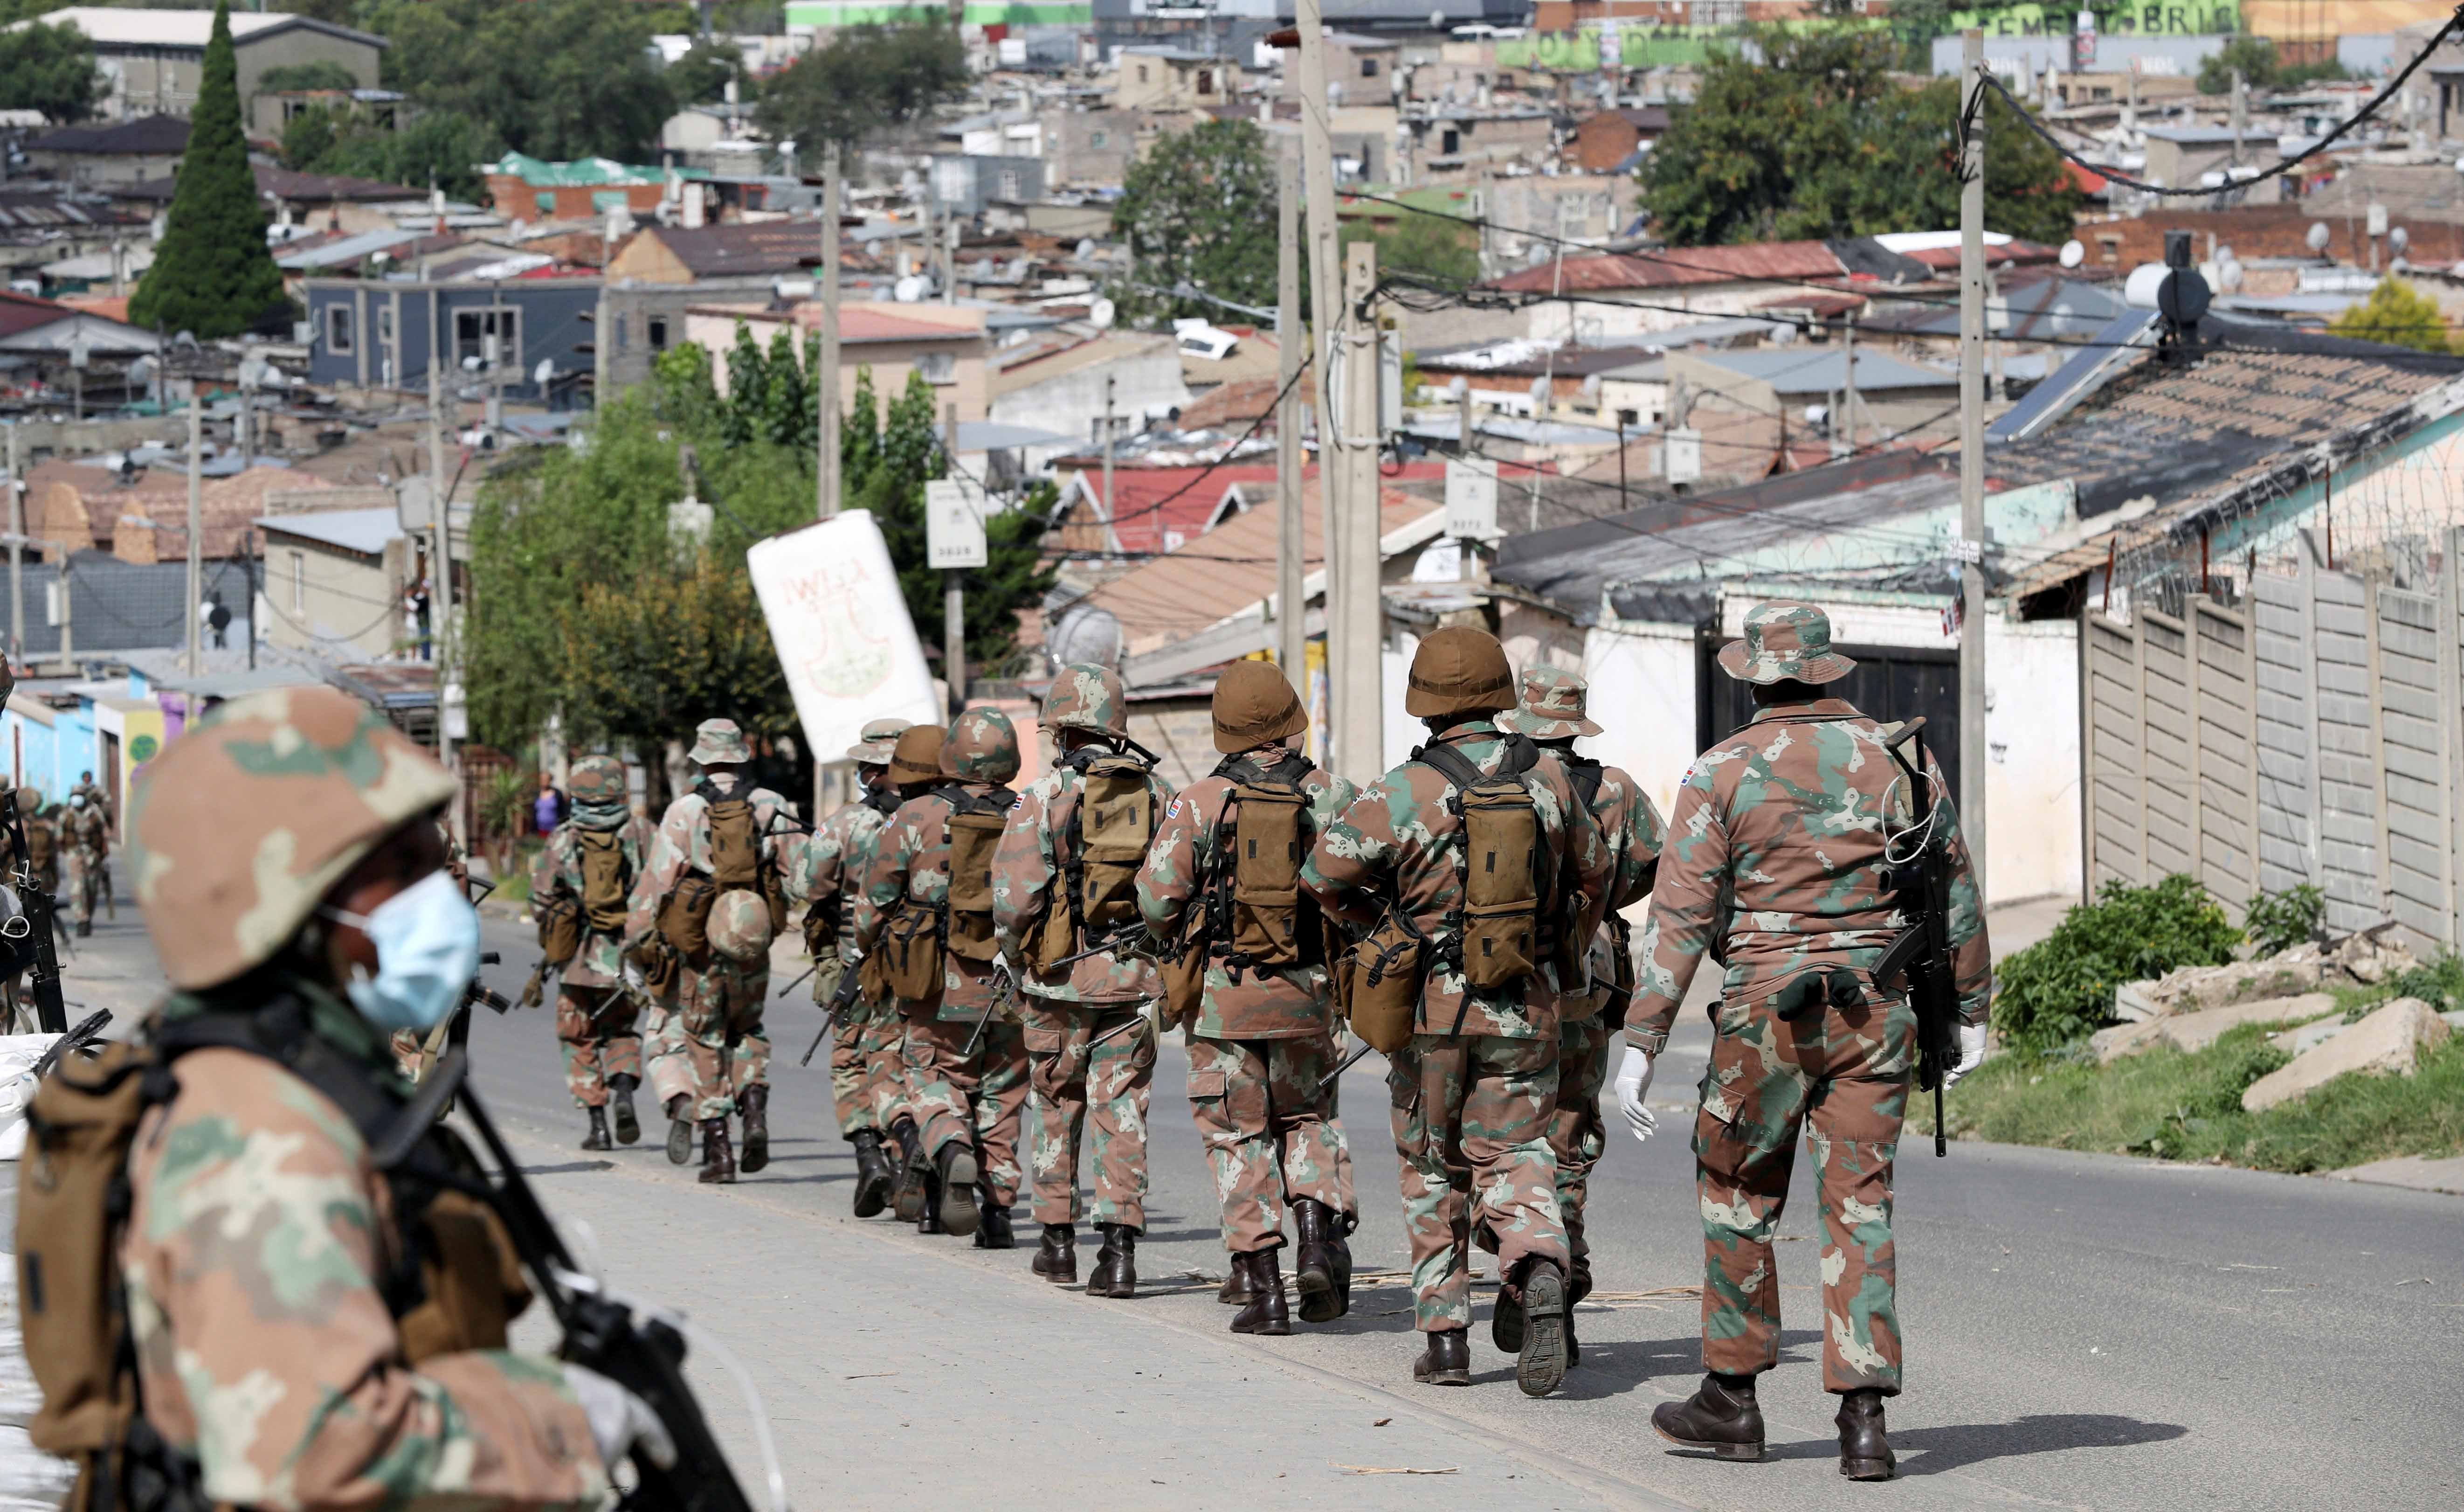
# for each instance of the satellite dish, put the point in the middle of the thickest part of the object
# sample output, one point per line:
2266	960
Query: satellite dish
544	371
1816	413
2223	254
909	289
1437	20
1088	634
2229	276
2399	239
2319	235
1456	389
2072	253
1102	313
1086	248
1591	385
2139	290
1540	393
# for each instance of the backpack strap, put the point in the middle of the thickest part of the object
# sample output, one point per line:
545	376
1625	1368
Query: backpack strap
1586	775
882	800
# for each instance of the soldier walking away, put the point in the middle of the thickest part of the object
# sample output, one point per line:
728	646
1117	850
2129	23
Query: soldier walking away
1471	868
926	908
89	843
1550	708
824	874
286	860
580	888
710	1059
1776	866
94	795
1065	906
1245	958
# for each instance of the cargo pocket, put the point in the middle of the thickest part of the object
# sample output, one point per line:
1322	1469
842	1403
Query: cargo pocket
1206	1086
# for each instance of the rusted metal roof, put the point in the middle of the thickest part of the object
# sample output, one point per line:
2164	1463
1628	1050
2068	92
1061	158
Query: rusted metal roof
1768	261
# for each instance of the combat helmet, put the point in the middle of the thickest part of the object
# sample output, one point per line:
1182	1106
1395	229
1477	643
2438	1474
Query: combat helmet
29	801
740	926
1459	671
918	755
599	780
1253	706
981	747
1085	697
239	829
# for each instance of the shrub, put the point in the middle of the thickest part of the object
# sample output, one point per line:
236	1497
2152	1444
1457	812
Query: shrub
2061	988
2278	921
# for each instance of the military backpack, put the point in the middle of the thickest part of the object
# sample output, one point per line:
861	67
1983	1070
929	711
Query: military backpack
1496	927
1109	827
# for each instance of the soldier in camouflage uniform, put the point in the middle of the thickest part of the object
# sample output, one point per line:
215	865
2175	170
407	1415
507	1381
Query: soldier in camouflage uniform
89	842
1477	1085
594	1011
824	874
1070	1009
1776	863
965	1051
1263	1038
711	1056
268	847
1550	708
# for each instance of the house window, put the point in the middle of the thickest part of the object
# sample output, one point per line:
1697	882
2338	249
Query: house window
299	581
1009	184
1450	144
385	325
1206	81
619	333
1368	68
493	335
1629	419
1142	73
658	331
338	329
938	367
2109	248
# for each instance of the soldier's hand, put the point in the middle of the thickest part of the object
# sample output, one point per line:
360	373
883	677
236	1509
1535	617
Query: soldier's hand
1971	1054
619	1421
1633	1084
633	977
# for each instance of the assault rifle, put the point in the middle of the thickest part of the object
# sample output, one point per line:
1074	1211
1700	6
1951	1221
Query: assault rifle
51	1011
840	1000
1920	875
1121	937
644	1354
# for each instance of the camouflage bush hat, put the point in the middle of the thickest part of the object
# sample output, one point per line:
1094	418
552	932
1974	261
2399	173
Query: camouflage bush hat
917	757
718	743
237	830
1550	704
983	747
1085	696
1459	670
872	748
740	926
598	780
1254	705
1785	642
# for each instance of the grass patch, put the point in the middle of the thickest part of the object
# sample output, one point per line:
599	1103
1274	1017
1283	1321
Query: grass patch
2163	1102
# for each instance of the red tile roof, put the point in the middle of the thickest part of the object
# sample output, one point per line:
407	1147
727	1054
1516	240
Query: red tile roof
1165	508
1777	261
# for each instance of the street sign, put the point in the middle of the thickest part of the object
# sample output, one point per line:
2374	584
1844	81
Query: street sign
1965	550
1681	456
1472	499
954	523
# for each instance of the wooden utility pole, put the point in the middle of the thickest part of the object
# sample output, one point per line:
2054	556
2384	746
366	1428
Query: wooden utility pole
954	600
826	381
1356	614
1292	541
1971	455
196	526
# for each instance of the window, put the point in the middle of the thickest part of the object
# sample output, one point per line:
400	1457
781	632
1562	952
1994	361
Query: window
619	333
338	329
1098	138
1206	81
938	367
385	325
1449	143
299	581
493	335
1009	184
658	331
1368	68
2109	248
1629	419
1142	73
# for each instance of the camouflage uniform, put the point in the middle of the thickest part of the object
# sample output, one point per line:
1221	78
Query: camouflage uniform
266	1350
89	842
1474	1089
594	1015
1786	817
1551	709
1068	1010
825	869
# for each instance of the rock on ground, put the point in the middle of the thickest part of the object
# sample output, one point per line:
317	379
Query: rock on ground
2390	1039
2197	1030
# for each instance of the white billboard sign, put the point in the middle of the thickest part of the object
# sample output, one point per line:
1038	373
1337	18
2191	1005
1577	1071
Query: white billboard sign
839	625
954	523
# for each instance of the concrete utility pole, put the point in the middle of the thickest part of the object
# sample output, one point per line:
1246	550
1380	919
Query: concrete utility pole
196	524
440	556
1355	629
1111	510
1291	459
1971	456
16	547
954	601
2240	115
1326	294
826	381
1848	409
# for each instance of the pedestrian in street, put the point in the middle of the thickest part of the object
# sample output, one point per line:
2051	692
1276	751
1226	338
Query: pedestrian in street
710	1059
1552	708
548	809
580	888
1776	864
1475	1083
1065	906
927	904
824	874
1247	951
89	848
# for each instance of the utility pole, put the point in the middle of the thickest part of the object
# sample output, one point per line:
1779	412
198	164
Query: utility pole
1971	458
1111	510
1850	407
1292	541
440	559
954	601
2241	115
1326	299
16	547
950	264
1355	613
196	526
826	381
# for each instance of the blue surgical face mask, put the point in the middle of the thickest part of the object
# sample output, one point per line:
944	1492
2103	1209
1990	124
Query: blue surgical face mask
428	948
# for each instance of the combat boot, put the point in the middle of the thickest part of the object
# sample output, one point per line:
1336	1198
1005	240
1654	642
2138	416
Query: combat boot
1540	1363
1313	1272
754	1103
1235	1292
1722	1416
928	1220
1578	1285
597	1138
955	1175
1446	1358
1865	1452
680	1129
873	1173
1268	1313
1116	1264
1056	1257
995	1233
908	1199
718	1157
620	1088
85	927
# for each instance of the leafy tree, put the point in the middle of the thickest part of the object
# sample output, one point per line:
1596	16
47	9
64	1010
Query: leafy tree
869	80
213	273
50	68
2396	316
439	147
703	74
748	389
310	138
1432	246
1200	208
285	79
555	79
2260	67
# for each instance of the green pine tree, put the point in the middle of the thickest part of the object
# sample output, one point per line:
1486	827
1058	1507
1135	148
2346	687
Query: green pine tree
748	389
2395	315
213	273
860	435
787	414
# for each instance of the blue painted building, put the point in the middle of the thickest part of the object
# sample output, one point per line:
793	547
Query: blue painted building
378	333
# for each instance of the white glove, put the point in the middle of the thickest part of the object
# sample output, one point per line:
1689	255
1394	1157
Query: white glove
633	977
1633	1083
1971	1054
619	1421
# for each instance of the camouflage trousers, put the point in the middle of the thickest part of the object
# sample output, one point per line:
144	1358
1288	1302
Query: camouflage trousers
711	1044
1576	1133
89	885
1269	1133
596	1048
979	1098
1843	1077
1471	1132
863	1070
1072	1078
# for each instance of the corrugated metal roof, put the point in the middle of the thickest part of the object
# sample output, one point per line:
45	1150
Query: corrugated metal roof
1794	371
1770	260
